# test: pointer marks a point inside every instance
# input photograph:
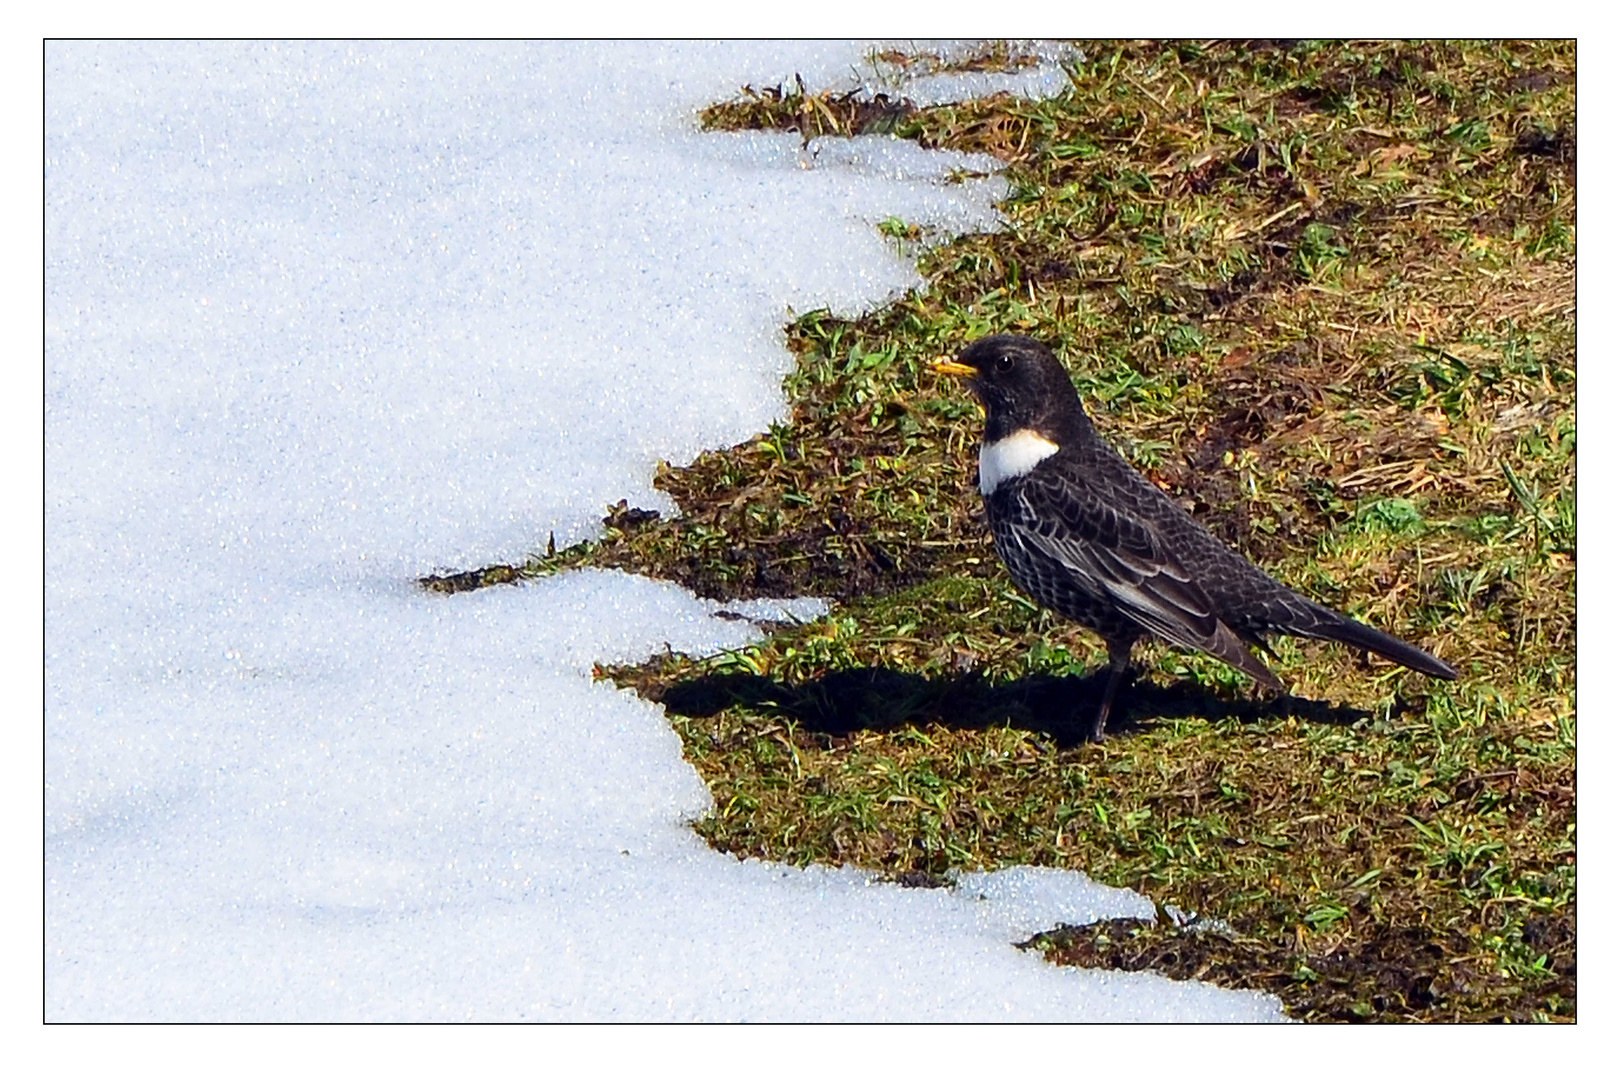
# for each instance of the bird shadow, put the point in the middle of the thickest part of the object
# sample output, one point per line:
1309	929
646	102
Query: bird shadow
1062	706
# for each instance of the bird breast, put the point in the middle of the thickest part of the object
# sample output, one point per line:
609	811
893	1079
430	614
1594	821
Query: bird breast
1010	457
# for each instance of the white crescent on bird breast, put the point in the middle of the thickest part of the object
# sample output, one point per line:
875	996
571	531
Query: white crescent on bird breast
1010	457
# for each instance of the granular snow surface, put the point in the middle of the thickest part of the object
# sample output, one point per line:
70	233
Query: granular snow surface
321	318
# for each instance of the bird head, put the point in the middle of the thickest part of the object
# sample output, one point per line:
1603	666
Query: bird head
1021	385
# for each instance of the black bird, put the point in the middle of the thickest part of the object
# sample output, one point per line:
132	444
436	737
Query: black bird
1086	535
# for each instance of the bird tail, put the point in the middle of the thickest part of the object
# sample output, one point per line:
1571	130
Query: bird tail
1329	625
1229	646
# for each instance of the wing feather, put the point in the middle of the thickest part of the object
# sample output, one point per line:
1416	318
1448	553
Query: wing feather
1121	556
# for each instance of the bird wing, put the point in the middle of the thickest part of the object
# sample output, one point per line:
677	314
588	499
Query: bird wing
1122	556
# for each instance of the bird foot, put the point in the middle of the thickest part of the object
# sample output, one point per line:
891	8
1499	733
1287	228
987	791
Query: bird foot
1119	677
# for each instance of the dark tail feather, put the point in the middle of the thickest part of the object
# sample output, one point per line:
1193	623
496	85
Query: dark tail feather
1337	627
1227	645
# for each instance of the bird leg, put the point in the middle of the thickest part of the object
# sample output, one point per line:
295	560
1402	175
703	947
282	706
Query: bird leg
1119	661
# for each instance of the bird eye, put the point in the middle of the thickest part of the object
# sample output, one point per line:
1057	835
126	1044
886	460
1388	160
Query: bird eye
1004	363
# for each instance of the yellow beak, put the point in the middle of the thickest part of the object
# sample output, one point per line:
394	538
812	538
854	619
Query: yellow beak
946	366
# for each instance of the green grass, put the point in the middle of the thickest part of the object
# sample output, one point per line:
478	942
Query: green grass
1323	294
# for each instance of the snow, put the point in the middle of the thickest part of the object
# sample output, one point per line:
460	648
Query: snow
1043	80
324	317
